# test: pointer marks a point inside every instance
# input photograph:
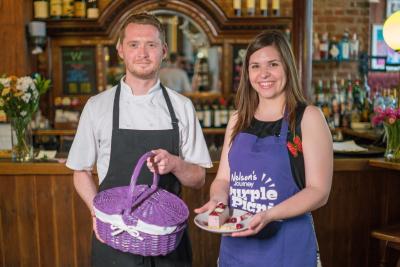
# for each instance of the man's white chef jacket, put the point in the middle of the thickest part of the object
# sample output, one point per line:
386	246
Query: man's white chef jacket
92	142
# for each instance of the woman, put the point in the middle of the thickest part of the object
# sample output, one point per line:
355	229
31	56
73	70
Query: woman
276	162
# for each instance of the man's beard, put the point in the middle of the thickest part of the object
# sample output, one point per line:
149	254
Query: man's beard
144	75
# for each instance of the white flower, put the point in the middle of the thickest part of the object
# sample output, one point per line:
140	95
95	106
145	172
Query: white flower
26	97
23	113
5	82
35	94
24	83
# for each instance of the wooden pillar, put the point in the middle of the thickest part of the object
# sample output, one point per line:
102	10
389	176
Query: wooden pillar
14	52
302	38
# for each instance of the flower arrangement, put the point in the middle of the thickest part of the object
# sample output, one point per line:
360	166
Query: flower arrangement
390	118
296	146
19	99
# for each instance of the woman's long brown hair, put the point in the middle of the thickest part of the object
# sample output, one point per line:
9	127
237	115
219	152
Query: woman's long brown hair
247	98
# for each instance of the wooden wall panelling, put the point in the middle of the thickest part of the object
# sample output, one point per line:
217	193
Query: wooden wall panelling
62	191
14	50
49	253
205	246
26	221
9	215
356	206
43	222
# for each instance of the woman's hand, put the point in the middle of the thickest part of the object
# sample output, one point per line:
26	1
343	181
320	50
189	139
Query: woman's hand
259	221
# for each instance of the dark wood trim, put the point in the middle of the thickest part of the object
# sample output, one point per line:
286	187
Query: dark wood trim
381	163
302	36
207	14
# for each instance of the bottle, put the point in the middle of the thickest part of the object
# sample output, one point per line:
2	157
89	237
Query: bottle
344	46
68	8
264	7
92	9
231	108
216	114
237	7
199	111
55	9
207	119
324	46
41	9
319	94
80	8
354	46
379	101
224	113
251	7
367	108
316	54
333	49
276	8
357	96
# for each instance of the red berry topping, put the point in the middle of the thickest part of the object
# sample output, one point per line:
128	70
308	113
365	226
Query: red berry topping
221	205
232	220
239	226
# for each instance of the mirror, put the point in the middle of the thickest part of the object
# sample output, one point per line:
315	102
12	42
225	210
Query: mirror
195	55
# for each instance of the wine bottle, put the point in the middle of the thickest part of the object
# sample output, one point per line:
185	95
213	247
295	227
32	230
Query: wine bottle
251	7
237	6
207	119
41	9
345	46
264	7
276	8
92	9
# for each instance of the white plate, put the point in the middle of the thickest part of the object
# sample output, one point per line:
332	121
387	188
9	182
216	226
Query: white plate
201	220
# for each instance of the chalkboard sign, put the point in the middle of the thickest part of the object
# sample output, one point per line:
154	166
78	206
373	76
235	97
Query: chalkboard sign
79	70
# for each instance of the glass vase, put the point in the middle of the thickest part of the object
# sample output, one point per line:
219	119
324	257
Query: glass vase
22	143
392	136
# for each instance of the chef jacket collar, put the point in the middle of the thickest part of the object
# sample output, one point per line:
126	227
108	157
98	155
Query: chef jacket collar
127	92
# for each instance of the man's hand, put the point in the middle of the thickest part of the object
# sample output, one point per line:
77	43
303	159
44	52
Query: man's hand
210	205
162	162
95	229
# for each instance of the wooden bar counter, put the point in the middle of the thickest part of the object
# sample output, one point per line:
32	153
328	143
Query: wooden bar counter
43	222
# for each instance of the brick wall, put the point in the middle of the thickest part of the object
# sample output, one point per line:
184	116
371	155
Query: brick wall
334	17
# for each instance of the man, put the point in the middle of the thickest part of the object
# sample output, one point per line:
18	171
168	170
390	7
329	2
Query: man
174	77
138	115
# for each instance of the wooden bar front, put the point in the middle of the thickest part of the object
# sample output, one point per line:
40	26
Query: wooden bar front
43	222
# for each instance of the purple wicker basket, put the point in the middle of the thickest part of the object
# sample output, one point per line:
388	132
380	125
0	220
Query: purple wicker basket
140	219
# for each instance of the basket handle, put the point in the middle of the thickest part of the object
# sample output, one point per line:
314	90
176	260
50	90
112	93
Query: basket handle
135	175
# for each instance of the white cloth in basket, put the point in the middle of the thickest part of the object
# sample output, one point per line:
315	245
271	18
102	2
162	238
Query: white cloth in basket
119	226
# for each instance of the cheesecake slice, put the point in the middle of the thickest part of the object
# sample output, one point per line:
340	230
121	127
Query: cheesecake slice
218	216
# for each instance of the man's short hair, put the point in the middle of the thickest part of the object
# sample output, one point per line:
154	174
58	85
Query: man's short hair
144	19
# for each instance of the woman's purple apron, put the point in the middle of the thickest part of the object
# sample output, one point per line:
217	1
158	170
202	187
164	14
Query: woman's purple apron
261	178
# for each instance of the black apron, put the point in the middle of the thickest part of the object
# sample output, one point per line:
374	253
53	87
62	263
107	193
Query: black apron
127	146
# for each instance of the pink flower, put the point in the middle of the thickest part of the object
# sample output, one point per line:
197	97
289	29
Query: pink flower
392	120
389	115
378	110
